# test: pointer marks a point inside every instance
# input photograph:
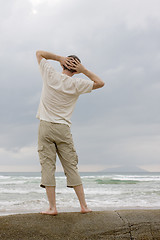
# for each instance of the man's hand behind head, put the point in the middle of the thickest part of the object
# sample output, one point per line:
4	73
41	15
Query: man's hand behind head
75	65
63	62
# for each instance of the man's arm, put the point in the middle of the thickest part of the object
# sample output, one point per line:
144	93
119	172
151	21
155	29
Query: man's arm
98	83
79	68
52	56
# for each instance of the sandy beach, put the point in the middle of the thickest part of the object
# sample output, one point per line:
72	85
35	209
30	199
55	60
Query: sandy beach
112	225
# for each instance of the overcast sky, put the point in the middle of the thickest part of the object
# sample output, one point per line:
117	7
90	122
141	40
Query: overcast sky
119	41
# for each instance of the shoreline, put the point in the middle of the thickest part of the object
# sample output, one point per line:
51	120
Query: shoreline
112	224
76	210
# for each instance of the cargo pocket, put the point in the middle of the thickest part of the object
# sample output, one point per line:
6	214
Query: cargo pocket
75	156
41	154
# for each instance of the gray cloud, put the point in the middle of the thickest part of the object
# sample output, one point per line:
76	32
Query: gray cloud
118	40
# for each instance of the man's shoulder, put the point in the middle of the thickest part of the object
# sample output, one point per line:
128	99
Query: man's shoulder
46	67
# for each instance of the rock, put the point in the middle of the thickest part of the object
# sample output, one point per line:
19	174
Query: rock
105	225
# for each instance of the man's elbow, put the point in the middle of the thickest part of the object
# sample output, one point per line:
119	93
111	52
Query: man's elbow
38	53
39	56
102	84
98	85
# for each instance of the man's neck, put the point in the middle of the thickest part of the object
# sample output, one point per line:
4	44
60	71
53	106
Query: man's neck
68	73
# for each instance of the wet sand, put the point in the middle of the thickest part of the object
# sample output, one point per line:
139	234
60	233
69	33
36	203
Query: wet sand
106	225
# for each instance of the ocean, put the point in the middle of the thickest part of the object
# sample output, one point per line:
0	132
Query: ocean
20	192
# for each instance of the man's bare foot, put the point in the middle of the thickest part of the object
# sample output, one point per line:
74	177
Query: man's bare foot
50	211
85	210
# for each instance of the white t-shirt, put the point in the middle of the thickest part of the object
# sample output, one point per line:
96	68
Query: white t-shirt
59	94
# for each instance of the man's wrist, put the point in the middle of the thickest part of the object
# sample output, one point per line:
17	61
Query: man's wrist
84	71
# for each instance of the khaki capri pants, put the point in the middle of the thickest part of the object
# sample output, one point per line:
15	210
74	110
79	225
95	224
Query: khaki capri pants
55	138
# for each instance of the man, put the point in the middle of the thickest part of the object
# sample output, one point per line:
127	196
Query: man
59	95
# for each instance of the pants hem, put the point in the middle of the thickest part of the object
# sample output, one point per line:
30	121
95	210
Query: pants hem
72	186
44	186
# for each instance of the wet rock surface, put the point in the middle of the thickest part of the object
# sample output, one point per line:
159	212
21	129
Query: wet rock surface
106	225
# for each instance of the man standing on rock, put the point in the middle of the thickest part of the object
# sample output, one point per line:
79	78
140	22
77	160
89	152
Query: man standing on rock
59	95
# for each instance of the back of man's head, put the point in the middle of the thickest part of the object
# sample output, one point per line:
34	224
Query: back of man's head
75	58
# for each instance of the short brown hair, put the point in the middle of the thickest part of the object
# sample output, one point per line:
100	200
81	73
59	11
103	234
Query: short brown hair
74	57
